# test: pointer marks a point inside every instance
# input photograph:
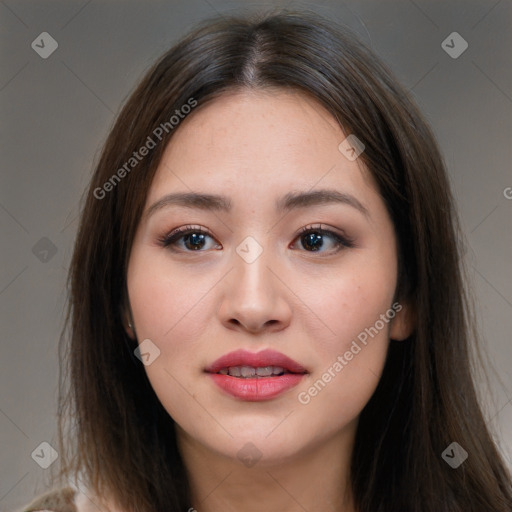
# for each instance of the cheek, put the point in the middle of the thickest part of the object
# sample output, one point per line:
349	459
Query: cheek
168	307
352	352
345	304
166	301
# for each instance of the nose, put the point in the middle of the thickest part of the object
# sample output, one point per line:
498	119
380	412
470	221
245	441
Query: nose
254	298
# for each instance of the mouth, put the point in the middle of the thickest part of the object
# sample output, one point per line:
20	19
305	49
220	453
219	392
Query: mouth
257	376
251	372
246	365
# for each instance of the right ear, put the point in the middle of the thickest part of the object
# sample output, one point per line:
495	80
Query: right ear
127	320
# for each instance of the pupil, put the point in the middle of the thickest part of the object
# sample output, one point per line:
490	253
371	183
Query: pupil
312	239
195	238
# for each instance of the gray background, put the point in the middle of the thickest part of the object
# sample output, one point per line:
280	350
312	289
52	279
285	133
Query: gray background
57	111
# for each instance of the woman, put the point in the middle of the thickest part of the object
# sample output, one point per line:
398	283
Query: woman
267	306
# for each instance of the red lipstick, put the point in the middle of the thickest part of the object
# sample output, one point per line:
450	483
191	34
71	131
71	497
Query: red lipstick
256	376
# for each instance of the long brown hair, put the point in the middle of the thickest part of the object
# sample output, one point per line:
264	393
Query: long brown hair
114	431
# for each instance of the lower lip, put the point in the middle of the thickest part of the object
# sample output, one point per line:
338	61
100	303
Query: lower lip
258	389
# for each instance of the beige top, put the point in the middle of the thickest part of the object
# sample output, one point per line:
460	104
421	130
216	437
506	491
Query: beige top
66	499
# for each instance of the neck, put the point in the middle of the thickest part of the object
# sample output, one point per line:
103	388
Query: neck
316	479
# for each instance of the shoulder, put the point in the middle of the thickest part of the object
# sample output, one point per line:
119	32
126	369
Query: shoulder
56	500
68	499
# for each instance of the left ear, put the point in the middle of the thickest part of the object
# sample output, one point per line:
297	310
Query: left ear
404	322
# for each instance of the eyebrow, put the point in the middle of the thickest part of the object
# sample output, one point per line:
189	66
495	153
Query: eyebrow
290	201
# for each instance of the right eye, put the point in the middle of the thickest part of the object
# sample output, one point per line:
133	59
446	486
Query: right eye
186	239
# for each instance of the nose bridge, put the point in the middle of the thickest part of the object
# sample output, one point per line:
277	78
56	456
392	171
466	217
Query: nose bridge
253	297
251	261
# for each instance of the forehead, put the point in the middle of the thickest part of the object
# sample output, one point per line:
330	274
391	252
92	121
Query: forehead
258	143
262	124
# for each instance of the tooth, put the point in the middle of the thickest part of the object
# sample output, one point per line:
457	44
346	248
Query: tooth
277	370
264	371
247	371
234	371
224	371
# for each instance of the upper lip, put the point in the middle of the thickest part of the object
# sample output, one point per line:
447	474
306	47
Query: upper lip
260	359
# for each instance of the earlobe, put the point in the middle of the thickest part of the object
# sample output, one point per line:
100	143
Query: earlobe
128	327
404	322
128	322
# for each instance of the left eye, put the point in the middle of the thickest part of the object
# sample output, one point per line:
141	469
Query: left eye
312	238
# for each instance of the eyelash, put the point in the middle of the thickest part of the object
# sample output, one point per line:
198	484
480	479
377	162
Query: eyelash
169	241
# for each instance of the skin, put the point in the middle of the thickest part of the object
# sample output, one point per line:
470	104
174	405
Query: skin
254	147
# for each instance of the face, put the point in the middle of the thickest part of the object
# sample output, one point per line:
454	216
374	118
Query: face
263	268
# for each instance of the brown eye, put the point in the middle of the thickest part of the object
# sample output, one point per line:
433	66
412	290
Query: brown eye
314	239
187	239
